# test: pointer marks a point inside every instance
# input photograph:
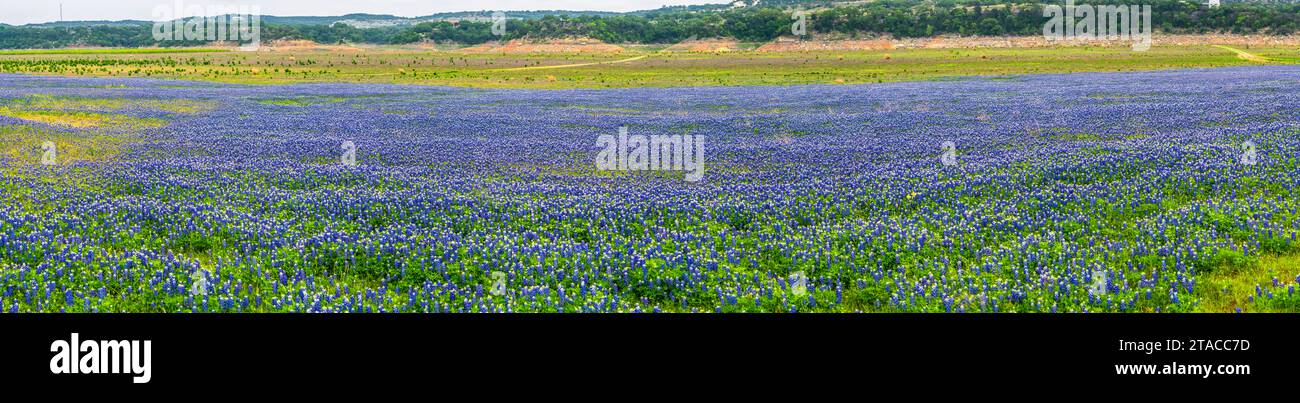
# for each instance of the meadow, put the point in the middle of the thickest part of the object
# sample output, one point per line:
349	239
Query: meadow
1152	191
635	67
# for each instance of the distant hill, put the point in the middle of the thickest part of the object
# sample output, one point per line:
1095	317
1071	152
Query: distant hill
746	21
77	24
519	14
314	20
363	20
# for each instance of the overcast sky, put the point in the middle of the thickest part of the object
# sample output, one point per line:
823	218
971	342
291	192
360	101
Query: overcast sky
18	12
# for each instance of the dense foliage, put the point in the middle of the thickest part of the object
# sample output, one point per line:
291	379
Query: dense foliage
899	18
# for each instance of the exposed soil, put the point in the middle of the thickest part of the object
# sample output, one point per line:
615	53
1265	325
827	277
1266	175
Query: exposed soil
705	46
306	46
579	45
794	45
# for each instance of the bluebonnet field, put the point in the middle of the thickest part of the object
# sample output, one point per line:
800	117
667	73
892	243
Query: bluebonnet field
1069	193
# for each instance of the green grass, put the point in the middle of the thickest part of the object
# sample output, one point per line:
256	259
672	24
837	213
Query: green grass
300	101
656	69
77	103
1231	284
23	144
82	128
107	51
82	120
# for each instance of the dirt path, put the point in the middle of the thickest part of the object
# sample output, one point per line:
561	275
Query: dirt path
565	66
1243	55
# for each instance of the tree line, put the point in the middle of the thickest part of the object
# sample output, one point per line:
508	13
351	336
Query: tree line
896	18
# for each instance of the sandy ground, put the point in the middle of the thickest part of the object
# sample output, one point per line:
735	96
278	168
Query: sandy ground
794	45
307	46
705	46
555	46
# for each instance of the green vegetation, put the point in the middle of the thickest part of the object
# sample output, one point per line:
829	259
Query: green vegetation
83	104
107	51
83	129
1232	284
23	144
624	69
300	101
897	18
